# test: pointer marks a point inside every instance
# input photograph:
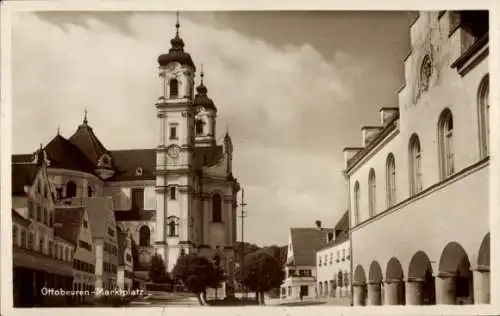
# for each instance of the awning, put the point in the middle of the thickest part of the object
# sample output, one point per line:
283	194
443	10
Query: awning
36	261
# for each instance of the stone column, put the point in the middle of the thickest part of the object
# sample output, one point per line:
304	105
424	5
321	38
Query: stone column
445	289
358	294
481	281
374	293
414	294
391	292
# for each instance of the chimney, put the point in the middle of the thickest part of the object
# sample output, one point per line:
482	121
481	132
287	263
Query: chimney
369	132
387	114
318	224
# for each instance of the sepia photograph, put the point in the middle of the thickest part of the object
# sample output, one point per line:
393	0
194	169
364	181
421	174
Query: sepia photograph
290	158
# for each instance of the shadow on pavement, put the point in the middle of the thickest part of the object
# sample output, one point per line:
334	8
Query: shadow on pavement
304	303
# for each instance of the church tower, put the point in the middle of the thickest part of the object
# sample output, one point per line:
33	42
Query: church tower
206	114
175	113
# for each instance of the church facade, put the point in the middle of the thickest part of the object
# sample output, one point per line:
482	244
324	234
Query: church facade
175	199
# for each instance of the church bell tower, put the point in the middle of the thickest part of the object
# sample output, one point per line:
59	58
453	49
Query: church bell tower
175	113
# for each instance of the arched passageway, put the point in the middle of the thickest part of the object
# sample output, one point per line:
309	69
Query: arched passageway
420	286
454	281
375	279
394	289
359	286
481	274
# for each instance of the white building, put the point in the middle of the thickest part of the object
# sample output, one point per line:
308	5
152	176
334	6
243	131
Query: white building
419	183
300	267
333	264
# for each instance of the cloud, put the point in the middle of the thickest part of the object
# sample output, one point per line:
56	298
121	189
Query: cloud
284	105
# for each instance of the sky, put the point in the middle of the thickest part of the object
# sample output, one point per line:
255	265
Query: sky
293	89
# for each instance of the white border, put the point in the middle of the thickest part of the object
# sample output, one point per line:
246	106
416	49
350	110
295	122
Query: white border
224	5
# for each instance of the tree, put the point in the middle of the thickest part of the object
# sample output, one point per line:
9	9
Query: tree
157	270
197	273
261	273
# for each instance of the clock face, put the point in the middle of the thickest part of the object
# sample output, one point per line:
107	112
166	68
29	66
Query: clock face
173	151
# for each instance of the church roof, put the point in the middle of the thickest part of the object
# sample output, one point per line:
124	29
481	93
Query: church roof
176	53
305	242
68	221
88	143
208	156
65	155
23	174
127	162
201	98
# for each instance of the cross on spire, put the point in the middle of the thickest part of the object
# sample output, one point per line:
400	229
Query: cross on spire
58	130
202	74
177	25
85	121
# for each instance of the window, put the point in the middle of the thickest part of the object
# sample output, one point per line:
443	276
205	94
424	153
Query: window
484	115
137	198
173	192
45	216
338	255
331	258
356	203
31	241
31	209
14	235
343	254
144	236
415	165
173	132
111	232
51	248
425	74
340	279
39	213
85	245
216	208
59	193
173	226
174	88
320	263
372	192
39	187
138	171
305	273
41	244
85	224
445	143
291	273
70	189
90	191
391	180
199	127
23	238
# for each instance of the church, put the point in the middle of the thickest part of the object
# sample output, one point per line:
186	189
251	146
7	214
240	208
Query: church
175	199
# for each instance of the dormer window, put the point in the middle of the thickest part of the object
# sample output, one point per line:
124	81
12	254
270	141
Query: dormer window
138	171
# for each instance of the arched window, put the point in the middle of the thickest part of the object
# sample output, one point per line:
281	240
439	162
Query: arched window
144	236
174	88
425	74
173	193
173	226
445	143
415	153
216	208
356	203
199	127
391	180
484	116
372	192
70	189
340	279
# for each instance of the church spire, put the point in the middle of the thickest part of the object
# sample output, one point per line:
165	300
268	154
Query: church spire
176	52
85	121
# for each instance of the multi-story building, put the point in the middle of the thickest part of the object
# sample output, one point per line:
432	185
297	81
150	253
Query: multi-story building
333	264
300	267
125	275
73	223
41	257
175	198
419	183
105	242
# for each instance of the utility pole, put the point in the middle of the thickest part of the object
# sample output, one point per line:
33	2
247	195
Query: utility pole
243	215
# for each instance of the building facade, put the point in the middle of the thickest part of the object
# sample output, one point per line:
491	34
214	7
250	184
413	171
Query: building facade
333	263
419	182
42	258
300	268
174	199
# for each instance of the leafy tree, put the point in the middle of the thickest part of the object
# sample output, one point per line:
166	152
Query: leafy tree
157	270
261	273
197	273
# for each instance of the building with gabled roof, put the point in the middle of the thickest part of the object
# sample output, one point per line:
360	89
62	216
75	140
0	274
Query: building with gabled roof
300	267
179	197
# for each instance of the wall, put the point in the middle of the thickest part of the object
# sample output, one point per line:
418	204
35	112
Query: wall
338	260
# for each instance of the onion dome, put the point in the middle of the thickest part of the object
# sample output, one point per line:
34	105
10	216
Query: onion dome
201	98
176	52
